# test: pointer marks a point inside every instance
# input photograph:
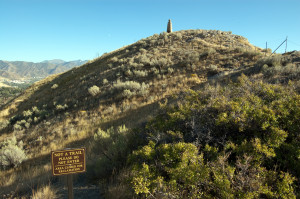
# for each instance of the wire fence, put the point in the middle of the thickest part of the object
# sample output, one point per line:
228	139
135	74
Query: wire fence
286	41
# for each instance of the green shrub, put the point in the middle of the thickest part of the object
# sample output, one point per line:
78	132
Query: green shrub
154	70
131	85
140	73
160	62
60	107
177	163
114	59
207	52
274	60
128	94
105	81
110	145
128	73
54	86
35	110
178	170
143	59
212	69
113	147
143	91
27	113
143	51
94	90
129	88
291	71
245	130
269	50
251	53
170	70
11	154
4	124
191	57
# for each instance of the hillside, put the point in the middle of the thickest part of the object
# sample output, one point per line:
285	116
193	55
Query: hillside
26	70
132	86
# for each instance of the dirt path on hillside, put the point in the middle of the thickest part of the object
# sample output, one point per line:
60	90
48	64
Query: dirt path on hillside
81	188
80	192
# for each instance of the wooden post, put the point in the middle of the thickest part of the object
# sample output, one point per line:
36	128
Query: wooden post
266	48
70	186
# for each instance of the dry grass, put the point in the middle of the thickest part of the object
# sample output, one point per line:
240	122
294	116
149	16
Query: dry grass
165	63
46	192
116	188
24	178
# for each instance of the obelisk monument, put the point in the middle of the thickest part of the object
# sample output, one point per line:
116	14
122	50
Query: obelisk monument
169	29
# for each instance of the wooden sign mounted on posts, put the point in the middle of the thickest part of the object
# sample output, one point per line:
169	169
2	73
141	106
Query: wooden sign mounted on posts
68	161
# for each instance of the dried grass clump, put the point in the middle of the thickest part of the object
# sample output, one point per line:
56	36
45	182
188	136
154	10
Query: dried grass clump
46	192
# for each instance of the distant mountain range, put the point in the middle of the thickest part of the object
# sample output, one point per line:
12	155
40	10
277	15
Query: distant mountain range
22	69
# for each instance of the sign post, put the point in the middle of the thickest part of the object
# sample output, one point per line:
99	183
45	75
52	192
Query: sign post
70	186
68	162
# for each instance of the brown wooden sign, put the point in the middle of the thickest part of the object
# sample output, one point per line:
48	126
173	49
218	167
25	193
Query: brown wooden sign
68	161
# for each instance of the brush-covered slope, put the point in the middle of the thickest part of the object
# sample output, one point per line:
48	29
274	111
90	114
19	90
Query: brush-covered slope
126	86
120	81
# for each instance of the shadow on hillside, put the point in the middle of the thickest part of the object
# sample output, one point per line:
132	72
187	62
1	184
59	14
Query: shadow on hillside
25	186
132	118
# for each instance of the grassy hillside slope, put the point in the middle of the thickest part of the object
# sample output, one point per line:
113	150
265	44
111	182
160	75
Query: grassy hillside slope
125	87
131	77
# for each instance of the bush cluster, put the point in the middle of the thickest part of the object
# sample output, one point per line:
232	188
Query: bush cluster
140	73
7	93
11	153
178	171
291	71
275	60
131	88
24	120
113	145
94	90
54	86
60	107
235	141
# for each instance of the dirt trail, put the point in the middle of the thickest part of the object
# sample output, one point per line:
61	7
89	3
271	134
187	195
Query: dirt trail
80	192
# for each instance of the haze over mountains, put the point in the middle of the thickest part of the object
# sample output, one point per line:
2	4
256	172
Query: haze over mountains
28	70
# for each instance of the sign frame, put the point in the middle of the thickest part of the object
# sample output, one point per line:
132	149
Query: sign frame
70	157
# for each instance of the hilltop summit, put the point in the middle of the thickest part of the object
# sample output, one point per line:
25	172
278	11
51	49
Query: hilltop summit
127	87
121	81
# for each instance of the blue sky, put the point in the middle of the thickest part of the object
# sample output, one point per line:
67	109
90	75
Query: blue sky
37	30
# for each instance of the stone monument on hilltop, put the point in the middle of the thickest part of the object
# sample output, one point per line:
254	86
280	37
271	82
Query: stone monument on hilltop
169	29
